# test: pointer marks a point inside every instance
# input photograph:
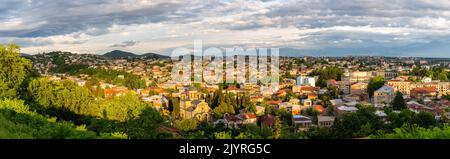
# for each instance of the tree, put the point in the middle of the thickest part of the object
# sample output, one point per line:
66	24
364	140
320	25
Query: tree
425	119
375	84
186	125
146	125
360	124
411	131
223	135
327	74
13	70
123	108
223	109
399	102
277	128
66	97
330	110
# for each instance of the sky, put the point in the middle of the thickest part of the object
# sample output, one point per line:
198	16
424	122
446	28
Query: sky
299	27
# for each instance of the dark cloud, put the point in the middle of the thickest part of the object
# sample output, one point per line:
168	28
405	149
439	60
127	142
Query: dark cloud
361	25
91	17
126	44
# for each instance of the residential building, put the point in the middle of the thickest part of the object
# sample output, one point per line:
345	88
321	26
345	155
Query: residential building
325	121
424	92
306	81
195	109
383	96
302	122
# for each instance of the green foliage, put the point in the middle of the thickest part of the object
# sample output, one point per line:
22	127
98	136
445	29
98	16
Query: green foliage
146	125
399	102
17	121
277	129
13	70
186	125
71	69
320	133
421	72
435	74
409	131
406	116
222	135
64	95
123	108
223	109
375	84
313	113
360	124
327	74
112	76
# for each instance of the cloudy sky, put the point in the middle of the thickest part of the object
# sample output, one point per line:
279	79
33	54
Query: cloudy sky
300	27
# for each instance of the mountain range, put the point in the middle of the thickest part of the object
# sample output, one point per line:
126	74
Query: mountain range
124	54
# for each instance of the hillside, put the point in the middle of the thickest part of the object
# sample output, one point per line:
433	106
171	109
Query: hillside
124	54
119	54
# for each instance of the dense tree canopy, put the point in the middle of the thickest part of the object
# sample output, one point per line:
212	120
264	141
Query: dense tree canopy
63	95
327	74
123	108
147	126
375	84
13	70
399	102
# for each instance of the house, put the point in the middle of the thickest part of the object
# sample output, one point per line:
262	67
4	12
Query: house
296	109
235	121
195	109
344	87
345	109
306	81
325	121
336	102
294	101
190	95
248	118
421	93
157	101
274	102
115	91
332	83
308	89
285	105
319	108
296	89
383	96
255	99
312	96
232	89
232	121
267	120
280	93
306	103
359	76
358	88
303	122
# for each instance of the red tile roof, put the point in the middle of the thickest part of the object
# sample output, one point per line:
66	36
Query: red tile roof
248	116
424	90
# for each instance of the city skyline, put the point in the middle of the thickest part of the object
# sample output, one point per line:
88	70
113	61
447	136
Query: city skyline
402	28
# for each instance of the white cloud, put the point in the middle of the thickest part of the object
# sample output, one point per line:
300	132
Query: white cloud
160	25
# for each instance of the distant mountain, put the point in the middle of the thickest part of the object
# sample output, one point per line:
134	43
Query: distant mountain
24	54
154	55
124	54
119	54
